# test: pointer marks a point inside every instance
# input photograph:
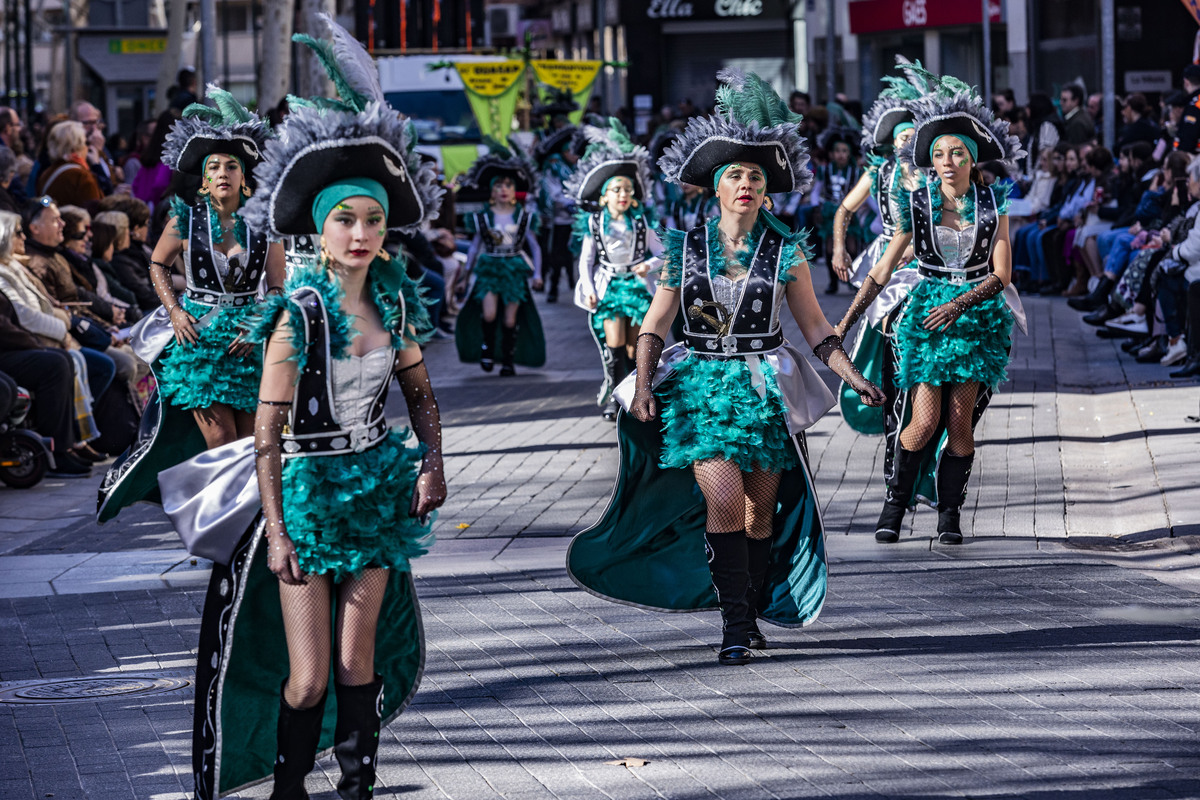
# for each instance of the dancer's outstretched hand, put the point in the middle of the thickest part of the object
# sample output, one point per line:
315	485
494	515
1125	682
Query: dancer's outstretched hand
644	408
282	559
429	494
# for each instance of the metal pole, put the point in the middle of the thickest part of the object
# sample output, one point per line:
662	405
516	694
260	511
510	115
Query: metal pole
254	43
1108	50
69	49
225	41
208	44
987	52
830	61
30	90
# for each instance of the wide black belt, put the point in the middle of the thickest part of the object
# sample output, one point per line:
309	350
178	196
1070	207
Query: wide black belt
733	344
221	300
336	442
956	276
618	269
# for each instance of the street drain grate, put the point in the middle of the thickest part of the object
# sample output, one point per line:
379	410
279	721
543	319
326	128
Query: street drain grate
90	689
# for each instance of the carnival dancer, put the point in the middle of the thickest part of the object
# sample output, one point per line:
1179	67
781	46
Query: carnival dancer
887	125
663	193
953	336
206	370
619	248
326	503
556	159
835	179
504	258
726	409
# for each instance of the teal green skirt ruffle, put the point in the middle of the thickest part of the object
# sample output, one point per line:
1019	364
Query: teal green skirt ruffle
710	409
626	296
974	348
349	512
200	375
504	276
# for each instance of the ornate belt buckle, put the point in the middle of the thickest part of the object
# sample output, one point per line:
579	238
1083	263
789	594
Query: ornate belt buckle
360	437
226	301
958	277
729	345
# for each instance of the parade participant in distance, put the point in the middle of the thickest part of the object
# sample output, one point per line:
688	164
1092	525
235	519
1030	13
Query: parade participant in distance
504	258
619	248
953	337
206	370
725	410
322	572
556	159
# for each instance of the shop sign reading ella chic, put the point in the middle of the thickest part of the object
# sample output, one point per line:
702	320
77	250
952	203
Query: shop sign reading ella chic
682	9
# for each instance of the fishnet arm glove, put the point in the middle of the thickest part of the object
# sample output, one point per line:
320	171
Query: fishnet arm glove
944	315
833	355
862	301
181	321
649	349
269	422
426	422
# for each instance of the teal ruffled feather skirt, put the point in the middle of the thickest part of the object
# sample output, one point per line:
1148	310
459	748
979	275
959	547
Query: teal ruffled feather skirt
504	276
194	376
710	409
974	348
349	512
625	296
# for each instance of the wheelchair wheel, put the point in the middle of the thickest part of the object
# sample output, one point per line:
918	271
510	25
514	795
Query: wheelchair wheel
23	459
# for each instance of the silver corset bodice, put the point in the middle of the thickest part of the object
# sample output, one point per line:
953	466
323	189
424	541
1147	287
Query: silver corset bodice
955	245
619	241
505	230
356	383
728	292
231	269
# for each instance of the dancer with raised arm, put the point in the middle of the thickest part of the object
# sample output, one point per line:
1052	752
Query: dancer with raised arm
714	503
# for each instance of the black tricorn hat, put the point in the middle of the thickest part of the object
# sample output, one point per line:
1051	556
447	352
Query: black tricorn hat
880	132
956	123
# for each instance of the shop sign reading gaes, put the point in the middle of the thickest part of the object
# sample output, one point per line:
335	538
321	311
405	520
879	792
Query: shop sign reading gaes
681	9
915	13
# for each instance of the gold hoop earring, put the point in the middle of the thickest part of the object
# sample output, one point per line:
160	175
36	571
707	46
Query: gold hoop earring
246	190
383	254
326	256
203	190
634	203
769	203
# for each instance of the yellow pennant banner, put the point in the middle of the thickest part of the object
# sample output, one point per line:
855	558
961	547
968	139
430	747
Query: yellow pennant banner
577	77
488	78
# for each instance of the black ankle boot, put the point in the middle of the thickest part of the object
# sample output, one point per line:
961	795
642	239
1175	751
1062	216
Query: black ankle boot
1095	299
616	373
356	738
899	492
297	735
508	348
728	563
758	558
487	347
952	475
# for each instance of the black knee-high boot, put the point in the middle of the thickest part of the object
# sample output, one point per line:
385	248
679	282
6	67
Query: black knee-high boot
895	500
758	557
728	563
616	373
508	349
488	347
297	734
952	475
356	738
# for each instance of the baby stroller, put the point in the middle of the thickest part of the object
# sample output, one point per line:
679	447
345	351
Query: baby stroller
25	456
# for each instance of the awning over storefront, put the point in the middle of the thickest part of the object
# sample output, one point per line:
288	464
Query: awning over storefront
123	56
872	16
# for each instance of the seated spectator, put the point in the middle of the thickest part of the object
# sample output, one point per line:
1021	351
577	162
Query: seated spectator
1179	287
106	231
131	259
67	178
8	170
1139	125
1089	222
77	249
150	185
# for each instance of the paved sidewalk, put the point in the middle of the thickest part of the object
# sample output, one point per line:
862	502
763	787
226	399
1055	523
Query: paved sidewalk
1052	656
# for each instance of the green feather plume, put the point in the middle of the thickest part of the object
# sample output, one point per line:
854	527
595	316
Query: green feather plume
747	98
351	99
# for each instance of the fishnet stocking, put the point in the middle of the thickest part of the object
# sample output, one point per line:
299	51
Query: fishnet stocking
737	500
925	402
762	488
309	629
959	431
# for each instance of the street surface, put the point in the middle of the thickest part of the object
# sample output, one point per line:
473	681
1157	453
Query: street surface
1055	655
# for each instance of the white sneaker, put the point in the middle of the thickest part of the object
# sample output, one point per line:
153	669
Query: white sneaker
1175	353
1132	322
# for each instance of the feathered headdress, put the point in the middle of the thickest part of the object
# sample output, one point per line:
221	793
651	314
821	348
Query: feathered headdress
751	124
553	142
610	153
356	134
951	107
557	102
228	127
894	104
500	161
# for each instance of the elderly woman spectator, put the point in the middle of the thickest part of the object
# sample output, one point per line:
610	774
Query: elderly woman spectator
78	250
131	258
67	178
108	228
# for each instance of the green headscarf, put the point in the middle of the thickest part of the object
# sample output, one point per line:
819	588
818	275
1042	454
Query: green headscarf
341	190
901	128
967	141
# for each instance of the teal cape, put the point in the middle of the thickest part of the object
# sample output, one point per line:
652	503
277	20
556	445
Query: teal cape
242	663
531	342
648	547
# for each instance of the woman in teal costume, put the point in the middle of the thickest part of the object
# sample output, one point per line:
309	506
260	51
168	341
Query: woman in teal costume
207	372
504	258
619	248
953	337
344	501
714	504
